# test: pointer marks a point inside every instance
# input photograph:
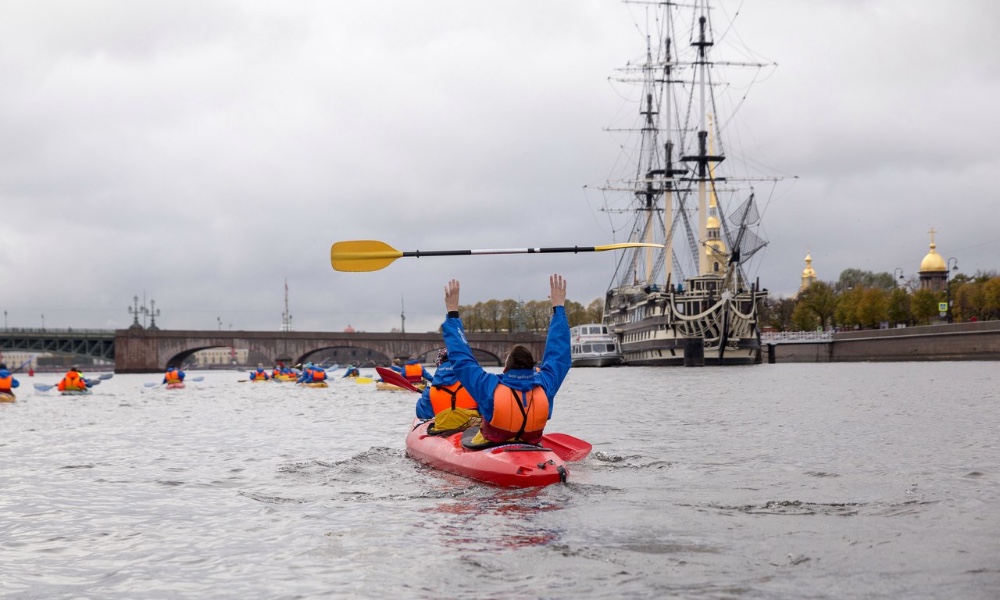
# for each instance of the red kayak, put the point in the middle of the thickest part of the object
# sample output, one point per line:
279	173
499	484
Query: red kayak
510	465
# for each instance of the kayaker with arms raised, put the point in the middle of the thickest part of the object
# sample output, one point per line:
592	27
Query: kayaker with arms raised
516	405
446	400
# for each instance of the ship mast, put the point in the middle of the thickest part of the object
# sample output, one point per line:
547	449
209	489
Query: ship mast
703	159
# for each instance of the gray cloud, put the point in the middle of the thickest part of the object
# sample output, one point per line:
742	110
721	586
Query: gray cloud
203	152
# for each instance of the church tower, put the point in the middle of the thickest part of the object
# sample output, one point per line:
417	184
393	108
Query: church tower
808	274
933	270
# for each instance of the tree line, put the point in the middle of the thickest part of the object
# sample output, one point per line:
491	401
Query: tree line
502	316
864	299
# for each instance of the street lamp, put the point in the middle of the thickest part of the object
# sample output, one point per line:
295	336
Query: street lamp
900	269
43	321
947	275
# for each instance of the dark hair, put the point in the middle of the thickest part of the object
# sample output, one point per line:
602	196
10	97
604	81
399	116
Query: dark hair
519	357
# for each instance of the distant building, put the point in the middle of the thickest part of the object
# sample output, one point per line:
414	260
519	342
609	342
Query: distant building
219	356
933	269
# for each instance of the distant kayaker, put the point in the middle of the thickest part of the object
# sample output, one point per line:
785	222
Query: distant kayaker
260	374
446	400
352	371
516	405
7	380
311	374
174	375
73	381
414	372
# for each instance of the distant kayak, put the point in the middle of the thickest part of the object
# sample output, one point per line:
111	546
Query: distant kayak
280	378
84	392
176	386
7	397
317	384
509	465
382	385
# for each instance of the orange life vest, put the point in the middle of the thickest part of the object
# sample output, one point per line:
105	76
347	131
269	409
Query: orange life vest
72	381
318	375
6	382
450	397
173	376
413	373
517	416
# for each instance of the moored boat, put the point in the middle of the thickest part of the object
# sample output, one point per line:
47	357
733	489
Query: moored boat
593	346
509	465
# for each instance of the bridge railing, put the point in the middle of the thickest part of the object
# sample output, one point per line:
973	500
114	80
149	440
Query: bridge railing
793	337
48	331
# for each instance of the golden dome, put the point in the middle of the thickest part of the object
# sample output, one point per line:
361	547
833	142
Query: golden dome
933	262
809	271
712	222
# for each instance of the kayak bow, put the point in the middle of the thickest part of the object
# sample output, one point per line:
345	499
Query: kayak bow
510	465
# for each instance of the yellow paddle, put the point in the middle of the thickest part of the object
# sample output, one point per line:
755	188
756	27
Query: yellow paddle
363	379
372	255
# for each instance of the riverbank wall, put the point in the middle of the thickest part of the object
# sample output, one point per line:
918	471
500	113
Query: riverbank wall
949	341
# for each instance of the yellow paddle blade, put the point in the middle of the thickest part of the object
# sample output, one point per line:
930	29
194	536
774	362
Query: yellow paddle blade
362	255
363	380
624	245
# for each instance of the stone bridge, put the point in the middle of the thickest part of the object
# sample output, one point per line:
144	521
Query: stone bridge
150	351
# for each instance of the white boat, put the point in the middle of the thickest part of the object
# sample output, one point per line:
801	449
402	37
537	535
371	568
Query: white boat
593	346
689	301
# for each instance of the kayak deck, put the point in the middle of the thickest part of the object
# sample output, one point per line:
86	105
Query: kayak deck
510	465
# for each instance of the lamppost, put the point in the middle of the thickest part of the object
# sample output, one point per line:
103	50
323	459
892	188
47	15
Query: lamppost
947	275
43	321
219	319
901	278
135	312
153	313
5	320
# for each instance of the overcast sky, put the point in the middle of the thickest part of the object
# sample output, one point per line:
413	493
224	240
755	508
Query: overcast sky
200	153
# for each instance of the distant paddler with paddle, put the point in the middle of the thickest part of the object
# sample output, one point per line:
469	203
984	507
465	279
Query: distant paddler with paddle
73	381
446	400
516	405
352	372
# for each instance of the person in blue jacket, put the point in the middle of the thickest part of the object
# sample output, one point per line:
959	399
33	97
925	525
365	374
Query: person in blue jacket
446	400
173	375
516	405
7	380
352	371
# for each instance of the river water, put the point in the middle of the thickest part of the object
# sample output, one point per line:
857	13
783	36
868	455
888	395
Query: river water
776	481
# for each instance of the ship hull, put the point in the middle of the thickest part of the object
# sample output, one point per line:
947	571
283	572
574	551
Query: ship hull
676	328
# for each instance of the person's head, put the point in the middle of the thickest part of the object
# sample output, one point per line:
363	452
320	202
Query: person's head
395	361
3	365
519	357
442	357
77	369
260	365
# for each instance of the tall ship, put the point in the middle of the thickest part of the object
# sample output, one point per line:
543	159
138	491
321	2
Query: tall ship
690	300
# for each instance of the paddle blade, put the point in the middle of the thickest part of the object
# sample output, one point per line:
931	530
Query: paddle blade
624	245
41	387
363	380
566	446
362	255
390	376
151	384
105	376
200	378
